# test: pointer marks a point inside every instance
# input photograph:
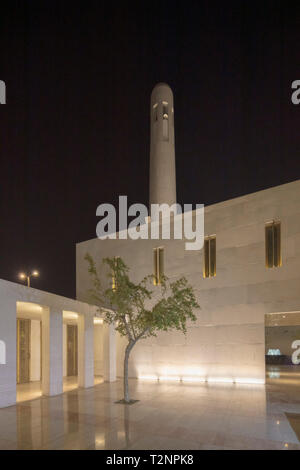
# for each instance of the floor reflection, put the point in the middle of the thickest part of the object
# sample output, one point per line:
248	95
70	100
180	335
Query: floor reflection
32	390
168	416
283	374
294	420
70	383
29	391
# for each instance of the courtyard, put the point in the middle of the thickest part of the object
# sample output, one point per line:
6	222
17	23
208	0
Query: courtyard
169	415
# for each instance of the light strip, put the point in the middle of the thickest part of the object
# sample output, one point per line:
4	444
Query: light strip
70	315
169	377
148	377
220	380
243	380
195	379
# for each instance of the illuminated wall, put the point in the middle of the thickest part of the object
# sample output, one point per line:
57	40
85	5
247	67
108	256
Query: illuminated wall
35	351
40	306
98	349
227	341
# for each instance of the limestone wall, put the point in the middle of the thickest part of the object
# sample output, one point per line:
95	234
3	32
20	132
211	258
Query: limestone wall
227	341
52	307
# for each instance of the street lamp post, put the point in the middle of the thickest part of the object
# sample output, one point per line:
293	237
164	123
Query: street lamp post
28	276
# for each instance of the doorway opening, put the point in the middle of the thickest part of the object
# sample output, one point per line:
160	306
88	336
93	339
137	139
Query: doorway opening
29	350
70	350
23	350
98	350
282	348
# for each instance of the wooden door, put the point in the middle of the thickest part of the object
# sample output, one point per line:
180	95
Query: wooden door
72	350
23	350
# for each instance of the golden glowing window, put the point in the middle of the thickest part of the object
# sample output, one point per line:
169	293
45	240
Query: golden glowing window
209	264
113	279
273	244
158	263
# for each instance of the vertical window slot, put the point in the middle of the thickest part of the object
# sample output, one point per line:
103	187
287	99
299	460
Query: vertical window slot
158	262
273	244
210	257
165	115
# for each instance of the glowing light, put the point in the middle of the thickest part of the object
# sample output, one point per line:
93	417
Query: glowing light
27	276
193	379
100	439
274	375
169	377
28	308
98	321
274	352
220	380
249	380
70	315
148	377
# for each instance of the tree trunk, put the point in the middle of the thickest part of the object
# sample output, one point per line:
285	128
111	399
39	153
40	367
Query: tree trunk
126	388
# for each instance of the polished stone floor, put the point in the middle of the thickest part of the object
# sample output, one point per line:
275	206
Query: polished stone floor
285	375
31	390
168	416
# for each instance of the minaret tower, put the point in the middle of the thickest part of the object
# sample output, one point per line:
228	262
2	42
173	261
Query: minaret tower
162	146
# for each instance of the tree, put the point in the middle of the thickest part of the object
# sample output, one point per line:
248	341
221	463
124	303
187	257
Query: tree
137	310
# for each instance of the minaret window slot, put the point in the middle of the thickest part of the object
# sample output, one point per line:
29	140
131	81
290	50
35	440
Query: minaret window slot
165	110
155	115
165	115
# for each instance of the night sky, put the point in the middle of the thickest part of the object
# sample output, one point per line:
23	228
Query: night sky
75	129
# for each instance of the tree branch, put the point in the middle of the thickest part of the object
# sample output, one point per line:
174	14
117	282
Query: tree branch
127	329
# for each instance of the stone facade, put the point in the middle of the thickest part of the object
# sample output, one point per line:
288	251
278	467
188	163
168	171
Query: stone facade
49	309
227	341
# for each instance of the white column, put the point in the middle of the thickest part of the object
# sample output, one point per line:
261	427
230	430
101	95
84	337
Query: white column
52	351
8	314
35	351
109	352
86	350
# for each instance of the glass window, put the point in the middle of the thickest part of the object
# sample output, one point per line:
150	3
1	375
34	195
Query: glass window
158	263
273	244
209	264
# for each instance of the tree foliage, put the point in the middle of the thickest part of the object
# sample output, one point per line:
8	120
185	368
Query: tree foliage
135	308
139	310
